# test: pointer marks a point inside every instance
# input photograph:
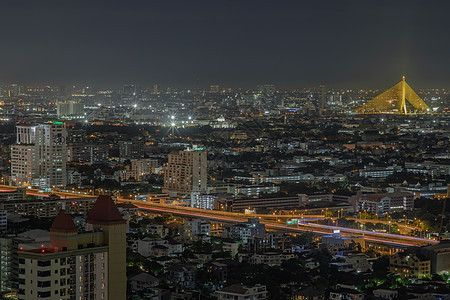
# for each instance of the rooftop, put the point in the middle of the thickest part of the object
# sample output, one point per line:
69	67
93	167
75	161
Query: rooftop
63	223
105	211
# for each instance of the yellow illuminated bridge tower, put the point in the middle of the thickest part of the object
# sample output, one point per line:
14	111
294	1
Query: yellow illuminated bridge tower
399	99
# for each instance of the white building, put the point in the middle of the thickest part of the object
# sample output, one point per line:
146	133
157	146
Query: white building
195	229
203	201
357	262
145	246
240	292
157	229
40	155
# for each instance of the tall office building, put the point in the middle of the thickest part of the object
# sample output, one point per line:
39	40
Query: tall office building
78	265
186	171
40	155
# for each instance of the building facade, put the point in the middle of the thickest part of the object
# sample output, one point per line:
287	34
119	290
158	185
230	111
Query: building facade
186	172
40	155
78	265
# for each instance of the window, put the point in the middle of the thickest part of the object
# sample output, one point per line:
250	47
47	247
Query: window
44	273
44	263
44	294
43	283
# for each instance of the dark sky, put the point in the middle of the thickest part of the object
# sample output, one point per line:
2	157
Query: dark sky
349	44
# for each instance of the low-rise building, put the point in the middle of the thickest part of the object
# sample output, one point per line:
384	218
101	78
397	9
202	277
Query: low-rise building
195	229
182	275
143	281
410	265
240	292
384	202
353	262
243	231
270	258
439	255
346	294
385	294
157	229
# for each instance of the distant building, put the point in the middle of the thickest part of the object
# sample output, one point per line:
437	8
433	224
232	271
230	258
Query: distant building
345	294
439	255
15	195
218	270
131	149
186	172
47	207
143	281
309	294
77	148
270	258
410	265
70	110
243	231
203	201
385	294
157	229
271	240
40	154
256	190
196	229
3	220
353	262
240	292
342	242
182	275
383	203
144	166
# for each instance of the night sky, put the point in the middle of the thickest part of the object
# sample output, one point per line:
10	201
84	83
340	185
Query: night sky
346	44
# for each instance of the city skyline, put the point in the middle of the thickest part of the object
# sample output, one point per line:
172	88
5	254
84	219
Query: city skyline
347	44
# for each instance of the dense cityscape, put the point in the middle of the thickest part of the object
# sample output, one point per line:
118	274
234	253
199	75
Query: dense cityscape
220	190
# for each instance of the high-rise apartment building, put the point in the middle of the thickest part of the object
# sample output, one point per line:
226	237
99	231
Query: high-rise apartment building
78	265
186	171
40	155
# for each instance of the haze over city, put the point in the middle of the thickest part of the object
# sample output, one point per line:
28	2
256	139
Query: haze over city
294	44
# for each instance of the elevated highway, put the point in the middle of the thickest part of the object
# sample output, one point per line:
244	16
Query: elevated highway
268	220
274	222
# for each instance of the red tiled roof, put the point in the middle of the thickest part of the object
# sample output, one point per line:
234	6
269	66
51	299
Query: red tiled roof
104	211
63	223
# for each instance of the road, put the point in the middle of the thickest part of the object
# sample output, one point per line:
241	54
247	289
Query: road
228	217
271	221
